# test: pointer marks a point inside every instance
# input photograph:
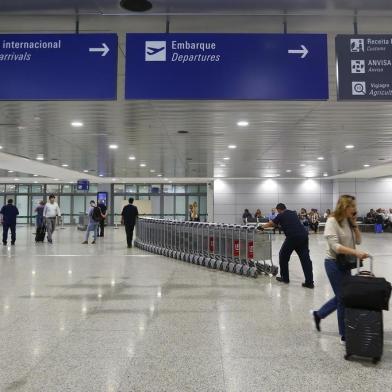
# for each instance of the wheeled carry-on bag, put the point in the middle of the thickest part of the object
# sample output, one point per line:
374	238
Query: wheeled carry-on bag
40	234
364	325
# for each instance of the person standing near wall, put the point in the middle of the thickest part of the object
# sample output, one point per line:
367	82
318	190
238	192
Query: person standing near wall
104	210
51	212
9	213
297	240
129	215
195	213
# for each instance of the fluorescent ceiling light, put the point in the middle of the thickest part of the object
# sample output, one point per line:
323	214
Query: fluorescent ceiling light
226	158
242	123
132	158
143	165
64	165
232	146
288	171
320	158
366	165
349	146
113	146
10	171
77	124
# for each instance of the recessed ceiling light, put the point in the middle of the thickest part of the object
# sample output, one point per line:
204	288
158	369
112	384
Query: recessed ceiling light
1	147
166	179
113	179
366	165
35	182
132	158
37	118
325	174
222	165
288	171
159	175
21	127
64	165
77	124
152	171
349	146
242	123
10	171
232	146
16	179
320	158
55	179
226	158
113	146
302	165
35	175
142	165
85	171
40	157
100	175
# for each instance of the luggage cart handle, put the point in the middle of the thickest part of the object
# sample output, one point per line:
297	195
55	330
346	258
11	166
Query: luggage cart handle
365	273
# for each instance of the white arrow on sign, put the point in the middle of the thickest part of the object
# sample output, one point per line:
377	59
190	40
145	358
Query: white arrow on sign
104	49
302	51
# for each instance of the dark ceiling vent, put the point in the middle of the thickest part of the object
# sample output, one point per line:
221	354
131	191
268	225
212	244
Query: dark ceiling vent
136	5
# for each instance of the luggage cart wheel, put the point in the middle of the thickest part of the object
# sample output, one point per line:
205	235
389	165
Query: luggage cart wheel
376	360
347	357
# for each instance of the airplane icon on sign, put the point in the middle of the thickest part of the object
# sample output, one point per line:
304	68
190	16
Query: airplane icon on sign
151	51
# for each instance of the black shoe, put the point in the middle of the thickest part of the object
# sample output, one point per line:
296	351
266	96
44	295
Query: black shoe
317	320
279	279
129	246
12	243
50	241
4	243
308	285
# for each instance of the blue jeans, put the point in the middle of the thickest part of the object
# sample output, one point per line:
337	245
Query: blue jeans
93	226
335	276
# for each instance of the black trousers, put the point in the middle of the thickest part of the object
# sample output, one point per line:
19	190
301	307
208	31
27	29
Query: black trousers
7	226
129	232
301	246
101	228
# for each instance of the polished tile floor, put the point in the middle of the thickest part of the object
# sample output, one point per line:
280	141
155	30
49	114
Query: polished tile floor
103	317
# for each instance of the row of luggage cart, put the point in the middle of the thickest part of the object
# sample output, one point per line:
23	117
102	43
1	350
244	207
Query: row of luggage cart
232	248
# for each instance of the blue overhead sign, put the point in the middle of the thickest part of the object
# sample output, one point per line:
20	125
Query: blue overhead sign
227	66
58	66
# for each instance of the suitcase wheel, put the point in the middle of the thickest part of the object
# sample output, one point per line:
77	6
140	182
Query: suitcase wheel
347	357
376	360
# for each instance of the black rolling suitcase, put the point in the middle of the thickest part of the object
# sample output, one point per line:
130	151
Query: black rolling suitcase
40	234
363	313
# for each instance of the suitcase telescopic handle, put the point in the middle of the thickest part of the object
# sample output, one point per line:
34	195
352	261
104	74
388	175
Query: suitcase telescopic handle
371	266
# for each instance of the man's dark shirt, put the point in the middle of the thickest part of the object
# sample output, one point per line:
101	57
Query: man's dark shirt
103	208
129	214
9	213
290	223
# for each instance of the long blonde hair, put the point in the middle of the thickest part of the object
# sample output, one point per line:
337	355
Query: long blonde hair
344	202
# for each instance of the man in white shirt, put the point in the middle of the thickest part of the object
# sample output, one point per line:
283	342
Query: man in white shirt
51	212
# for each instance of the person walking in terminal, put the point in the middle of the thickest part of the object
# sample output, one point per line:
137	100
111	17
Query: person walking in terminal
104	210
51	212
9	213
297	239
129	215
94	218
341	233
39	219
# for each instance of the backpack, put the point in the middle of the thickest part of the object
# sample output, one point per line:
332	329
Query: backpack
96	215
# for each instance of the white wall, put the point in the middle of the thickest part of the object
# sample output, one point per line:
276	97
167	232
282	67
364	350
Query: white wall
231	197
374	193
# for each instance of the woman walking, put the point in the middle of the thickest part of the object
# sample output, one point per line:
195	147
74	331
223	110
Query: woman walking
341	233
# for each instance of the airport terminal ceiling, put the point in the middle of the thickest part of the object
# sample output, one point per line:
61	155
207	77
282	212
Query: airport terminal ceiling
191	138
